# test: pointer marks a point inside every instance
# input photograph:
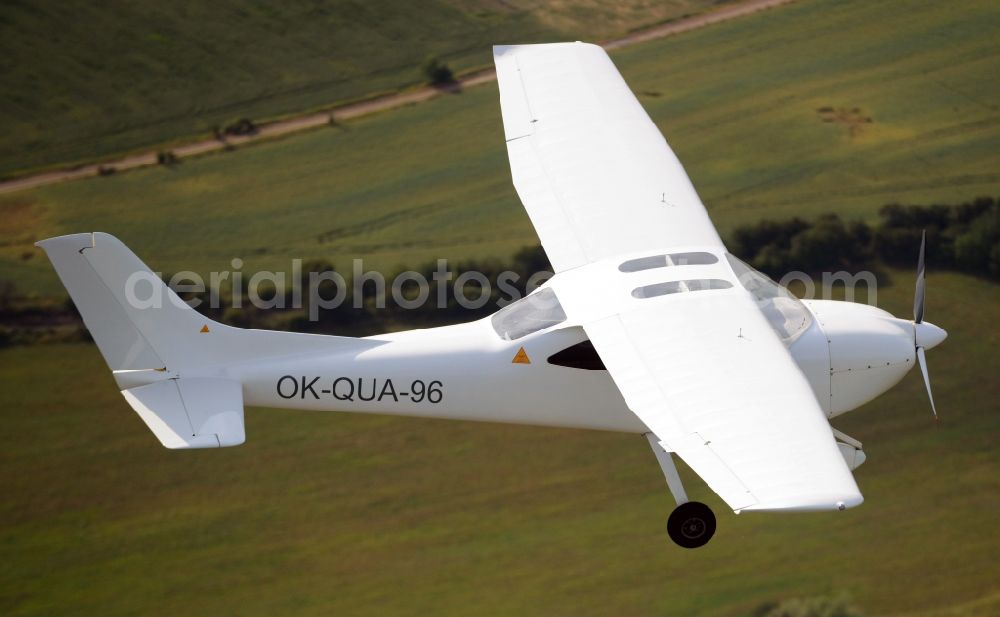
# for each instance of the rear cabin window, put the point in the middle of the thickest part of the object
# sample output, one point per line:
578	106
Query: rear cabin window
528	315
673	287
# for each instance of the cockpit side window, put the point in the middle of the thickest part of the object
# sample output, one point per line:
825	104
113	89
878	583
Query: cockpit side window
528	315
787	315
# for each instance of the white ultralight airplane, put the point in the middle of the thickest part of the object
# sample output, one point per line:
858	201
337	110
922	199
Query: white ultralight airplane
648	326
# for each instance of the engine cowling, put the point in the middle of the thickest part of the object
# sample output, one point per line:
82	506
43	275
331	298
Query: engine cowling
869	351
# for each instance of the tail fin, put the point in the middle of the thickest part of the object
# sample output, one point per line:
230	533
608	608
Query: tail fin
137	322
140	324
168	360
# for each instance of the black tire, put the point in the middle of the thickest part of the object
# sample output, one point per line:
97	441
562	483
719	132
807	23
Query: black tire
691	524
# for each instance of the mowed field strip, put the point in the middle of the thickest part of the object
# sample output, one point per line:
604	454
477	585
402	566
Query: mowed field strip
82	83
354	110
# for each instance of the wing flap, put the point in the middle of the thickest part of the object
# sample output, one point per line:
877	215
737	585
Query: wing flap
635	379
548	217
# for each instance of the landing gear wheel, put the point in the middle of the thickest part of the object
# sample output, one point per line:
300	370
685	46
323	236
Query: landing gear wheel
691	524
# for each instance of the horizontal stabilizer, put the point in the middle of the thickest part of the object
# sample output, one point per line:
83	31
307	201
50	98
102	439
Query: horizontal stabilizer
191	413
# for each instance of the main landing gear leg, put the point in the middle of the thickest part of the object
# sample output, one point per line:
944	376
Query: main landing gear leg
692	523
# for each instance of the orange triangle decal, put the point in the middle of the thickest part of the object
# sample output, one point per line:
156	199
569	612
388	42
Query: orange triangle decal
521	357
204	329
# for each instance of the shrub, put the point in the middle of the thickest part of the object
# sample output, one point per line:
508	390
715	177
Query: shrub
978	249
767	244
437	72
166	157
810	607
828	244
965	237
243	126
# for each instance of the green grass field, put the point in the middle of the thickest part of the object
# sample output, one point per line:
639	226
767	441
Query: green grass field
85	80
738	102
363	515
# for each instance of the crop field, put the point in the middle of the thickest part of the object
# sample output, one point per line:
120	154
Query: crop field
739	102
365	515
86	80
815	107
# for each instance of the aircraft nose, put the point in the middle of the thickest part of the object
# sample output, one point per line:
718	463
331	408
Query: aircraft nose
927	335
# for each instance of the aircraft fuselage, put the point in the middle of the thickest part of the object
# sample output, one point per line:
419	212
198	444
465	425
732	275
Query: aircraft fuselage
850	354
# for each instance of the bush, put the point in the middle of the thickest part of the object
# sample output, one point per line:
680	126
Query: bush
830	244
243	126
900	228
751	239
437	72
965	237
778	247
767	244
978	249
810	607
166	157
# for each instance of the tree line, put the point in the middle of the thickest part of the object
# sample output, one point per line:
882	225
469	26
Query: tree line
963	237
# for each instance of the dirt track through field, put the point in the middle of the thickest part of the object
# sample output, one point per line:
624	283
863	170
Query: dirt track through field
362	108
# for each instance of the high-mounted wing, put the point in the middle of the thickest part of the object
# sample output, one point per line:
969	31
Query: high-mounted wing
700	364
704	369
594	173
709	376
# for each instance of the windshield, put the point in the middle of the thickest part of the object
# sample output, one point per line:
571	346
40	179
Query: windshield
536	312
786	314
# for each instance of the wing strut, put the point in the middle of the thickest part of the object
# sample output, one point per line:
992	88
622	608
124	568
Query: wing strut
692	523
666	462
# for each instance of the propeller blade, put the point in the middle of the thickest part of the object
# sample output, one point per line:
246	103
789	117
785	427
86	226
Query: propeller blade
918	295
922	359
